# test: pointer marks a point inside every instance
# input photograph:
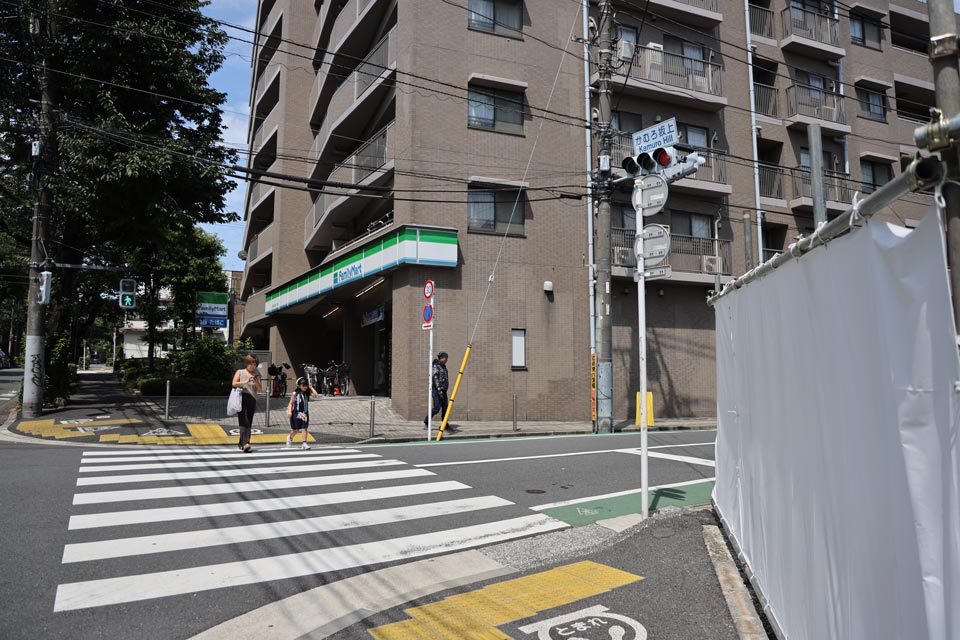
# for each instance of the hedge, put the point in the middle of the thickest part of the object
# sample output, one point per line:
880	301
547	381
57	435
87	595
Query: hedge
185	387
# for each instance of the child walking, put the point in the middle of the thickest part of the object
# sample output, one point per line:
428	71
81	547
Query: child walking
298	411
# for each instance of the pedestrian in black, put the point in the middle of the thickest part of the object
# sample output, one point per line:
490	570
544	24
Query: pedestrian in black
248	380
440	381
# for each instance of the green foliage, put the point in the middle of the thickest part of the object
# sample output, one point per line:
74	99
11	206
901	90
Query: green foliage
185	387
61	374
135	370
207	358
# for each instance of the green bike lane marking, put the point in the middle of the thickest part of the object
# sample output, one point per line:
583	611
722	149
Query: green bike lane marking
590	511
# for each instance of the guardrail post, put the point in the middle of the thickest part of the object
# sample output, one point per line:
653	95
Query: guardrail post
166	406
267	412
515	412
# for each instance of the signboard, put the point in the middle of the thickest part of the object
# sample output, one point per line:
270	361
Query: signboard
428	289
593	386
372	316
662	134
212	309
656	245
658	273
649	195
348	273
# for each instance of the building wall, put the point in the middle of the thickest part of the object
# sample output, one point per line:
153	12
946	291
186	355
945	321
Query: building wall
431	137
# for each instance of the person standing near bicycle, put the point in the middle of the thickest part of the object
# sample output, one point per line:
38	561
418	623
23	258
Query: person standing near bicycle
299	411
440	382
247	380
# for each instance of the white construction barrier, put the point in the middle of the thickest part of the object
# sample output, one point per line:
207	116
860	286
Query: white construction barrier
838	450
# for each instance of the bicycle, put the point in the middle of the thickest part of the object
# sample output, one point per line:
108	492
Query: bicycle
279	387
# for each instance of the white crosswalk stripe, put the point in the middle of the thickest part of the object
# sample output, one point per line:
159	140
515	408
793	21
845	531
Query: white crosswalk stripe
345	509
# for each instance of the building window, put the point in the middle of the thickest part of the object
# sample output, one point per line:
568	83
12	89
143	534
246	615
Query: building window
874	175
623	216
691	224
503	17
694	136
495	109
872	104
626	122
496	211
518	338
864	31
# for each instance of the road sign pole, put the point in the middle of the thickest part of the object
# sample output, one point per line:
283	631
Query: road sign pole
430	377
642	353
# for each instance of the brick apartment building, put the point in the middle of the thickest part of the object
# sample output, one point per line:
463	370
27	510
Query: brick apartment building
347	92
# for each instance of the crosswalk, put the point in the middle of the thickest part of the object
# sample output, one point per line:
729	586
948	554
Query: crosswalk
150	524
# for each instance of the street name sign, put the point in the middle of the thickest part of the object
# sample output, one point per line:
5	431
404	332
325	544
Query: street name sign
662	134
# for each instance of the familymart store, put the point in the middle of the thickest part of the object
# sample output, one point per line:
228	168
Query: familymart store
342	310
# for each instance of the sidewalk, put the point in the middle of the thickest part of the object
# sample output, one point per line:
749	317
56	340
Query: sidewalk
102	411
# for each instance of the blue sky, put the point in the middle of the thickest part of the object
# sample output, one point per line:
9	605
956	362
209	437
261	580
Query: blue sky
234	79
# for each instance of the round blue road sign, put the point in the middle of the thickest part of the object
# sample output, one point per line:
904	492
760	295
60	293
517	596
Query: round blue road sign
427	312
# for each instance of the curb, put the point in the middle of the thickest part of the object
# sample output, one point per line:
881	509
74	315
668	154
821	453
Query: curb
518	434
739	602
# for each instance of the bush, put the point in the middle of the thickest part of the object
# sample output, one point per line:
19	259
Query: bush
185	387
206	357
135	370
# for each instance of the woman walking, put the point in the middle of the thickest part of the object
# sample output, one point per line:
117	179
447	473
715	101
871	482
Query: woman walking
299	412
248	380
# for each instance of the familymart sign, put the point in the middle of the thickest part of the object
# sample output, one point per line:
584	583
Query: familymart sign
408	245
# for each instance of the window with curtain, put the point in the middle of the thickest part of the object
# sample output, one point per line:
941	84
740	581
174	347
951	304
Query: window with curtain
874	175
691	224
871	104
495	109
503	17
496	210
864	31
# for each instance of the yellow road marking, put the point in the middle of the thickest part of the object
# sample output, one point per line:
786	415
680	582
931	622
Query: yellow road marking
103	423
477	614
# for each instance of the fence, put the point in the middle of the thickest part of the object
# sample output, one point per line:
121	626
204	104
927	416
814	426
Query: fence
676	70
836	186
761	21
814	102
765	99
771	180
687	253
811	25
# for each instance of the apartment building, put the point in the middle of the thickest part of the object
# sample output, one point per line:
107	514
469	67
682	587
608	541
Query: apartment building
425	121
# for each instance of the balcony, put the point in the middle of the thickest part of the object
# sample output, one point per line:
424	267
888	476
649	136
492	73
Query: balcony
761	22
710	178
355	26
621	147
811	34
837	190
658	75
694	260
261	244
267	92
765	100
356	101
371	164
697	13
812	105
771	181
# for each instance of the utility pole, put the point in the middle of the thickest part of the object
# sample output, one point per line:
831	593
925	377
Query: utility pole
604	189
815	144
33	366
946	78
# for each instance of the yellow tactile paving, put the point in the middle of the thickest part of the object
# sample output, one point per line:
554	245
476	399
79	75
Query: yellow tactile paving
477	614
404	630
103	423
110	437
200	434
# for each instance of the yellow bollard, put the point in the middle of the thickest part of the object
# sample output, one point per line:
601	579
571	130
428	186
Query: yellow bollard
453	396
649	409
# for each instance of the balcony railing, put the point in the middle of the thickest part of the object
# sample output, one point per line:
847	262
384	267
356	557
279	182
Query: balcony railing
266	78
621	146
715	167
761	22
675	70
771	181
687	253
811	25
765	99
373	65
366	160
706	5
252	249
837	186
816	103
770	254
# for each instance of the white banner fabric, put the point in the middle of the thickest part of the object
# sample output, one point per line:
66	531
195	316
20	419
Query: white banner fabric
838	448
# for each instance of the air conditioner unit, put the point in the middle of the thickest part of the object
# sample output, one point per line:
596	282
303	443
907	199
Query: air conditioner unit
710	265
626	50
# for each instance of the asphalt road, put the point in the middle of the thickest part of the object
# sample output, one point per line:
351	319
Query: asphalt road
133	542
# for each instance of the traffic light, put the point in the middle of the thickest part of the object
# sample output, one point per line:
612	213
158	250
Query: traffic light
686	166
128	293
650	162
43	293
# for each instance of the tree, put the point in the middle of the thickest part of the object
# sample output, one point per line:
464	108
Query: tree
139	162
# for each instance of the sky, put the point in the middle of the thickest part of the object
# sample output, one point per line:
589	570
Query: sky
234	80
